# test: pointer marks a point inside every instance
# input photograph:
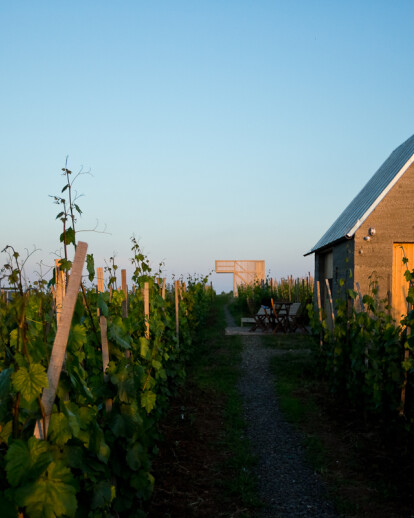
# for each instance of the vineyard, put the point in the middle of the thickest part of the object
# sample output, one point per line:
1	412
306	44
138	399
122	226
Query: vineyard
367	357
88	368
86	373
363	354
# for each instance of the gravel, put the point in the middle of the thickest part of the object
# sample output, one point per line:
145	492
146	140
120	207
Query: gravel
288	486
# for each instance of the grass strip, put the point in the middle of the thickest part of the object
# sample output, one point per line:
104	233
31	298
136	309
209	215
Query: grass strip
204	466
216	369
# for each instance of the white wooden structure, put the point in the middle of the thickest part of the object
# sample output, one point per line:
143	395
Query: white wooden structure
244	272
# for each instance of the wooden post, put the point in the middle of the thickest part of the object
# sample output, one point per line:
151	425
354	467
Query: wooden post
146	309
100	280
61	338
177	307
318	296
125	290
60	290
103	324
163	288
328	290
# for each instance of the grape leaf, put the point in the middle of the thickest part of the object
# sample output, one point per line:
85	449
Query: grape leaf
30	382
148	400
51	495
133	456
68	237
90	266
25	460
59	430
102	306
144	345
103	494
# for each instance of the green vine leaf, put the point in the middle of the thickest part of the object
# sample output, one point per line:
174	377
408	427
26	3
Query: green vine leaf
68	237
59	430
103	494
26	460
90	266
148	399
30	382
51	495
102	306
144	347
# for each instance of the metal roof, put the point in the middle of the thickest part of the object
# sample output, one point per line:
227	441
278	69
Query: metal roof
370	196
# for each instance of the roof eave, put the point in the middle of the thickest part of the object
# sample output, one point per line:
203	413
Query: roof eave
328	245
368	212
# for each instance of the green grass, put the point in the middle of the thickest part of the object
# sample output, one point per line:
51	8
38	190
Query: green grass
294	374
216	369
289	341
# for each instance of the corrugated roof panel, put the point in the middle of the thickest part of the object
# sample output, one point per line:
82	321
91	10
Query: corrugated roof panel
367	197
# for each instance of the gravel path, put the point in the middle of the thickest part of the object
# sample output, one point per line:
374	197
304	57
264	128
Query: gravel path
288	487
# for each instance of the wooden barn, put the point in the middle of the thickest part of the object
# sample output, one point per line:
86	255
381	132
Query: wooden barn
372	235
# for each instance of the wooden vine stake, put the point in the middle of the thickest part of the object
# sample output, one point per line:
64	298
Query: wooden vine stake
146	309
328	290
161	284
103	324
318	296
177	322
125	290
61	339
60	290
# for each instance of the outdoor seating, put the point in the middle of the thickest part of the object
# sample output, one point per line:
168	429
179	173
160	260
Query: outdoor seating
288	316
280	315
261	319
297	317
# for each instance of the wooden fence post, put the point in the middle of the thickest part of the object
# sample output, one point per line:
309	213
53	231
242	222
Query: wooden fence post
59	346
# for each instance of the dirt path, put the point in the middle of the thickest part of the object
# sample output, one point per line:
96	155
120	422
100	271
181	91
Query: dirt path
288	487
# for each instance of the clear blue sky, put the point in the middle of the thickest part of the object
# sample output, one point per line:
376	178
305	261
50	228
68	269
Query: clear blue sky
213	130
